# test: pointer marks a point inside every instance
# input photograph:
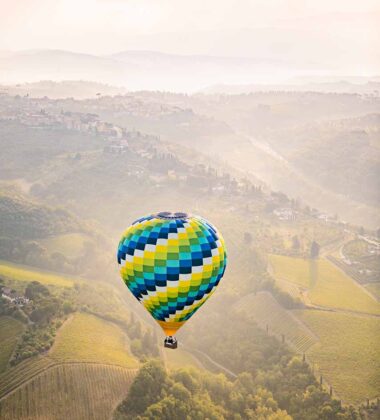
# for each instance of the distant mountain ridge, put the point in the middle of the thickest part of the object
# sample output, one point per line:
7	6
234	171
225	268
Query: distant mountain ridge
339	85
144	70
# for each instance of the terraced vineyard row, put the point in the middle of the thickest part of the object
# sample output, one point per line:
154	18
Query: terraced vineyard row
74	391
23	372
10	330
267	312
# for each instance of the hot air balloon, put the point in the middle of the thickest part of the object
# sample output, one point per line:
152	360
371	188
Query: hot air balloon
172	263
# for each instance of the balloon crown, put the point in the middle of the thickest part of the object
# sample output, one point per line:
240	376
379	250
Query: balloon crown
169	215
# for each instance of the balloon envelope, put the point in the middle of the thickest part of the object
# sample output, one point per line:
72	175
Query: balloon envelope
172	263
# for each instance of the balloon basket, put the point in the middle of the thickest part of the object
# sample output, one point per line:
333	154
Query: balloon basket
170	342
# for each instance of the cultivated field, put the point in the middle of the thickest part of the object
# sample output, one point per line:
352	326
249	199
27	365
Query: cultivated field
88	338
267	312
348	352
72	391
327	285
336	290
24	371
10	330
26	274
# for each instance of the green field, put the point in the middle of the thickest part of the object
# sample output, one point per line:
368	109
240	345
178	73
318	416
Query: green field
265	310
348	352
327	285
70	244
294	270
27	274
176	359
72	391
88	338
10	330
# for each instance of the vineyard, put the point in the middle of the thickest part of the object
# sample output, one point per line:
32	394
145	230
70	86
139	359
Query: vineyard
336	290
267	312
26	274
347	354
327	285
72	391
23	372
10	330
88	338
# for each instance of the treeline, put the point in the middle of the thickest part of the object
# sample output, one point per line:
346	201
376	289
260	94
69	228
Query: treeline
34	254
192	394
268	284
24	219
24	223
43	315
91	261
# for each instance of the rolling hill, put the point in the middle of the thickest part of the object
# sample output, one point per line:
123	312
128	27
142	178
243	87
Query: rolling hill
85	375
26	274
324	284
347	353
73	390
88	338
268	314
26	219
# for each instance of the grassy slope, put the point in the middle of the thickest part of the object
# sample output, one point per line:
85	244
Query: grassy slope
176	359
73	391
69	244
328	286
88	338
347	353
335	289
295	270
27	274
10	330
374	288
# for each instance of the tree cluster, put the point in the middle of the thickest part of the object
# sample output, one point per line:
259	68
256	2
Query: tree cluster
244	348
192	394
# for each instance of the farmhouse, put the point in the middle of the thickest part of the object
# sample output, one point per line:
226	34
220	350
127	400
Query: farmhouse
13	297
285	213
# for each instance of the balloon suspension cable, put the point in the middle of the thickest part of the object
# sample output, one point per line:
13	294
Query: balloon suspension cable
170	342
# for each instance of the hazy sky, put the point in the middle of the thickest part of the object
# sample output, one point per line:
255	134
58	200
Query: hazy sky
309	28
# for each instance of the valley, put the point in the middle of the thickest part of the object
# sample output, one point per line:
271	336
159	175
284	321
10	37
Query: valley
76	173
